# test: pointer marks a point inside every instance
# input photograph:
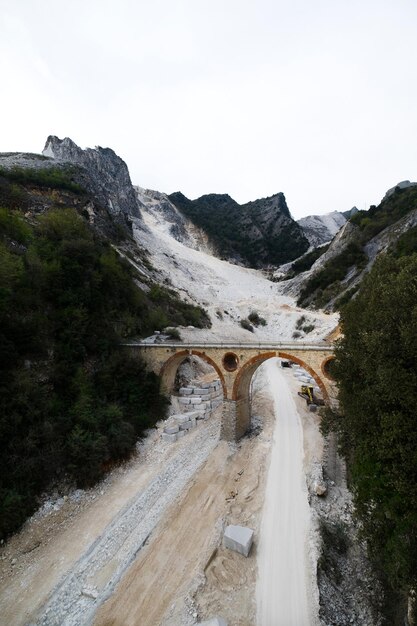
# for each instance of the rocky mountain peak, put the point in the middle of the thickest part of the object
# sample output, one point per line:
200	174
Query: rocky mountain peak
107	175
320	229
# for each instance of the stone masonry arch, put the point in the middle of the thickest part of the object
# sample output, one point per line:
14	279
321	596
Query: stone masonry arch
241	391
235	365
170	367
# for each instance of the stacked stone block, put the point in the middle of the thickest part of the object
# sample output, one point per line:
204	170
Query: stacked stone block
197	403
205	398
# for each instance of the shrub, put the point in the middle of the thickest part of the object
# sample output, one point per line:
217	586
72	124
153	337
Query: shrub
173	333
247	325
256	319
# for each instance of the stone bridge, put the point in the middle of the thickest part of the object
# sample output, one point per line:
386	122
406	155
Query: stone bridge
235	365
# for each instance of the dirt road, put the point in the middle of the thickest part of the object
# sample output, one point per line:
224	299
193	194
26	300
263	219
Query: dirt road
283	581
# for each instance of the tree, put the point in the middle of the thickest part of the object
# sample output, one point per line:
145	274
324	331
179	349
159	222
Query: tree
376	371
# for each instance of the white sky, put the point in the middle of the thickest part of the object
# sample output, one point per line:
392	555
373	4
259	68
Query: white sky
317	99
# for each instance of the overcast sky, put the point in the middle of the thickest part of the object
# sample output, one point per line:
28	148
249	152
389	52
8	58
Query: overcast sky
317	99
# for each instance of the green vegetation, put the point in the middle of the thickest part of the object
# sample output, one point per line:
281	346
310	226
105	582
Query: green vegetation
305	262
376	372
71	400
335	544
255	319
49	177
246	325
396	206
231	227
302	324
324	284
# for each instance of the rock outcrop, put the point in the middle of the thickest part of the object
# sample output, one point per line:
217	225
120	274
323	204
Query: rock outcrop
320	229
106	175
157	207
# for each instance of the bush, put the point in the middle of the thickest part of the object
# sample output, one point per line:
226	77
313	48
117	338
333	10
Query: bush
246	325
256	319
173	333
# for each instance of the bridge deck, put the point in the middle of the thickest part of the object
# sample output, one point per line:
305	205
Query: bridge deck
278	345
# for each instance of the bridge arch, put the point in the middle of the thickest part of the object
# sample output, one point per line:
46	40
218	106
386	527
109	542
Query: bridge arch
169	369
241	386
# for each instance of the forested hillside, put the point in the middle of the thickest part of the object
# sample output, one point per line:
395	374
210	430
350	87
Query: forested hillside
376	372
71	401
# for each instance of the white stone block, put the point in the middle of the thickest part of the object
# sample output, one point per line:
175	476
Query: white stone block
184	400
205	385
171	430
185	426
180	418
193	414
238	538
194	400
181	434
170	438
186	391
201	392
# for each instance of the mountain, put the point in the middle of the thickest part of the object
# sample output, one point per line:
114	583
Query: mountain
258	234
337	274
320	229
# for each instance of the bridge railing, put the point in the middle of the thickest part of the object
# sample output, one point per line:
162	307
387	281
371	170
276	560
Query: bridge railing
277	345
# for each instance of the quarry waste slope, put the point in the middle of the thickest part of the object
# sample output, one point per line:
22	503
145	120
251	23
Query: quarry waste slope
284	587
228	292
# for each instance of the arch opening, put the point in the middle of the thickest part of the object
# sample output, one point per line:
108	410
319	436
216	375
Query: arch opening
194	384
241	393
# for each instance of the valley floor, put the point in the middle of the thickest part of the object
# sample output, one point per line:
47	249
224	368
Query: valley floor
144	547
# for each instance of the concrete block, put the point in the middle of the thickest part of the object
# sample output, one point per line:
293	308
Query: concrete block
171	430
238	538
183	400
181	434
169	438
186	391
214	621
185	426
201	392
194	400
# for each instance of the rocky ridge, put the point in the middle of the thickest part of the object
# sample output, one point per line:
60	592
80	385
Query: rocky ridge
105	175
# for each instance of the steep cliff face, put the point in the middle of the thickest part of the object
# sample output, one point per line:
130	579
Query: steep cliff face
257	234
320	229
106	175
158	209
